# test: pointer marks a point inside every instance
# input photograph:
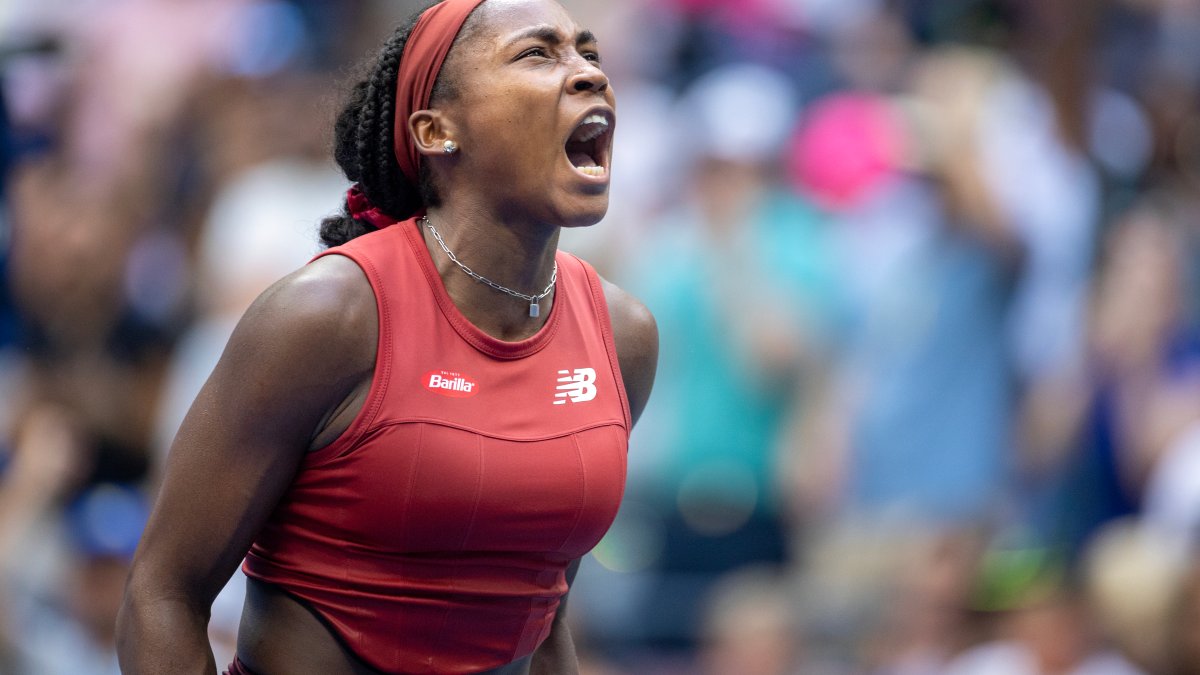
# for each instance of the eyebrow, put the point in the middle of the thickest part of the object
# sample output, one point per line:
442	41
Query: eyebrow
549	34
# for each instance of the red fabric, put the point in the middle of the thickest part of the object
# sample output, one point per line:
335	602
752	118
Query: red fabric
237	668
420	64
434	535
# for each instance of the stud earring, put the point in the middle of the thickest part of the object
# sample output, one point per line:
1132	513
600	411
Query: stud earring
450	147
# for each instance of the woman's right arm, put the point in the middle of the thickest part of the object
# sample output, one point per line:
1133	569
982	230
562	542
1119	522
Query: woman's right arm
303	349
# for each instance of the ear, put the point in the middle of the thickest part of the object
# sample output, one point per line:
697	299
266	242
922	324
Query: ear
430	130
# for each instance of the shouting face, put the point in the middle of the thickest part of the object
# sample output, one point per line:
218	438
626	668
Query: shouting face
532	113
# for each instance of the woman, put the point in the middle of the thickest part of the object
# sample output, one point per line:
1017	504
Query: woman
411	455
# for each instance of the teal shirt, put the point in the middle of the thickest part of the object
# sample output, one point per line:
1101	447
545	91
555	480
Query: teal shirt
716	413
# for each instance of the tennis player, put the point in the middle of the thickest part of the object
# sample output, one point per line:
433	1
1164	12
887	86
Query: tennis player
412	440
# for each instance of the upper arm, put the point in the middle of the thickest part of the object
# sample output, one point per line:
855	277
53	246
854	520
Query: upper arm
636	336
299	351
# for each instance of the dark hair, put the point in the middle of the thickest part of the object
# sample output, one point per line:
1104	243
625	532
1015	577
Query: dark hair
364	139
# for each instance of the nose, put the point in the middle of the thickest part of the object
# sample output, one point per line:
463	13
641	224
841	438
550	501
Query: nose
589	78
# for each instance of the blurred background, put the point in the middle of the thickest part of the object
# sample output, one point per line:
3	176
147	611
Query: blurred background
928	398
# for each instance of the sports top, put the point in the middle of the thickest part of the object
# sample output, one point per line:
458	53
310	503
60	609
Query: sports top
433	536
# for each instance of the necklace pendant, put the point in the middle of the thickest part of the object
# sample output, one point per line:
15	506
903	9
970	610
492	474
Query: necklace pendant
534	310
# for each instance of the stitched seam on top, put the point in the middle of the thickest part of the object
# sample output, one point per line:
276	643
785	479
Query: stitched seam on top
579	506
412	480
385	337
600	312
462	427
478	493
441	634
349	439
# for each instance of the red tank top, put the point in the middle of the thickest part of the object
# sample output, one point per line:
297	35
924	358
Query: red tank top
433	535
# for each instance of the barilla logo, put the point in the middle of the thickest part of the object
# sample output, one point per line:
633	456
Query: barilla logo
454	385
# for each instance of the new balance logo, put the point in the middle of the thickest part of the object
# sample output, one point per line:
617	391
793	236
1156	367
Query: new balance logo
577	386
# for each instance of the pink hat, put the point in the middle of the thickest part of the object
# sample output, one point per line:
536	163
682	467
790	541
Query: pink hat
849	145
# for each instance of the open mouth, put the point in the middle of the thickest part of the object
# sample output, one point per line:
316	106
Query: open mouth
588	147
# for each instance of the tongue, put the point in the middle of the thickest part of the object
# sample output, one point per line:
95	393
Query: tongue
580	158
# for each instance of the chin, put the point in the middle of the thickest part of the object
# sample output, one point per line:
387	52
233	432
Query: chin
585	215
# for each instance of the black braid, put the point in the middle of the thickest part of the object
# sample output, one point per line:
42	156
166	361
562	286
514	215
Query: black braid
363	143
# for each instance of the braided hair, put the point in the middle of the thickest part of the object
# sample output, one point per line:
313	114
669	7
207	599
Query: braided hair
364	141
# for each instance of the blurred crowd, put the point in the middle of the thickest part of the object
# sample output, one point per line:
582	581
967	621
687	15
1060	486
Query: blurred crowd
928	400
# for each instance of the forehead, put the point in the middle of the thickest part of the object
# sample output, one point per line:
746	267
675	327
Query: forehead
502	20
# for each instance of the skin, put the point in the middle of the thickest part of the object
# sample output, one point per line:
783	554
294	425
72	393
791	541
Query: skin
299	364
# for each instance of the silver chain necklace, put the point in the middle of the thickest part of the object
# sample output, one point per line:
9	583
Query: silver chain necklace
533	300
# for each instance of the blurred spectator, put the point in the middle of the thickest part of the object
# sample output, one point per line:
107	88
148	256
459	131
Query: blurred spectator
930	264
70	627
41	592
966	270
1136	394
1134	578
1183	649
738	277
1050	634
8	317
926	619
750	627
276	181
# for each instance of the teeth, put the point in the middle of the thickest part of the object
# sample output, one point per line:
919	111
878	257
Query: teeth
592	170
591	128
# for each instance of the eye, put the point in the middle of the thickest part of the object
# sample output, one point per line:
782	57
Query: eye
533	51
594	57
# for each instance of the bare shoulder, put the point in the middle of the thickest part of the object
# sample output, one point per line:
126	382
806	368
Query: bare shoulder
636	336
329	293
634	329
326	308
310	338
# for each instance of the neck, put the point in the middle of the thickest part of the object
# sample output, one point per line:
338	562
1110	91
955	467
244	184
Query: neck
512	252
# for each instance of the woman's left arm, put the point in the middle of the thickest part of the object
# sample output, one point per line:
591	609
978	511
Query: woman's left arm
636	338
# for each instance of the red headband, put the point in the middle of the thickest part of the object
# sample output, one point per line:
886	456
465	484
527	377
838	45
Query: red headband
424	53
